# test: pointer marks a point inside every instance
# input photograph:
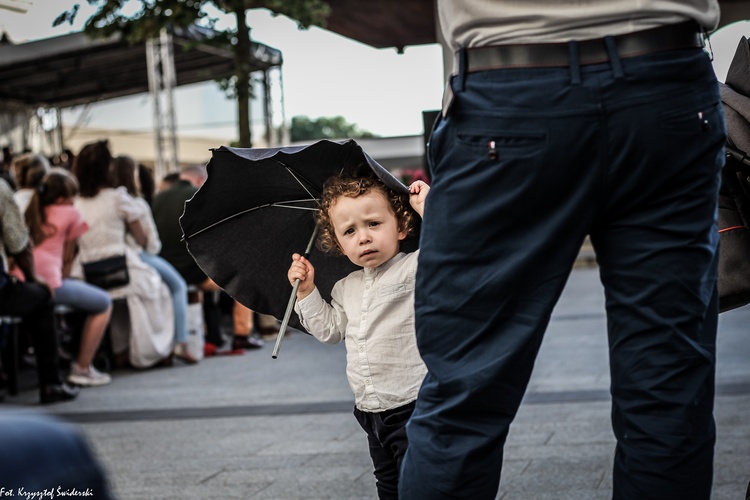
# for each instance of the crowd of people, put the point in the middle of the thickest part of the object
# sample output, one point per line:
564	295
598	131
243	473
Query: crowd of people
94	265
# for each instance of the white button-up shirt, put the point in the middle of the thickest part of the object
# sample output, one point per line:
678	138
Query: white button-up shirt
372	310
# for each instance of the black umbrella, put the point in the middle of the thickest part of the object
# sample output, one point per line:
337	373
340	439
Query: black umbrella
257	208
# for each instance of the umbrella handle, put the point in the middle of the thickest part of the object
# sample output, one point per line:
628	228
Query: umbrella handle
292	299
285	322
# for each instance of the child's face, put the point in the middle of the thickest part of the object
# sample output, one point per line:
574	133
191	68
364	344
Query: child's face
366	228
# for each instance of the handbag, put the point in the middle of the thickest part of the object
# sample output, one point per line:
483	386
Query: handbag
108	273
734	235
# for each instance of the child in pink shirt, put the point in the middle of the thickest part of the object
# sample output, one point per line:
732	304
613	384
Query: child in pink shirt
55	225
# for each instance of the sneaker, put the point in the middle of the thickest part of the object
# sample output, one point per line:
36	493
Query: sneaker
246	342
54	393
90	377
182	353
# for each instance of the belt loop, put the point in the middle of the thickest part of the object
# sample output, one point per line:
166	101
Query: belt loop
614	57
574	62
461	76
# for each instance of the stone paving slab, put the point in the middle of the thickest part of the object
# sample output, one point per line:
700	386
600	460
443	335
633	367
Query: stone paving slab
250	427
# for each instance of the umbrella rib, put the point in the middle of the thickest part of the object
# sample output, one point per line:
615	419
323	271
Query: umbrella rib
298	179
279	205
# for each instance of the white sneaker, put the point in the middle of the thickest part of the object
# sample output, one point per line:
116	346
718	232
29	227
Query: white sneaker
90	377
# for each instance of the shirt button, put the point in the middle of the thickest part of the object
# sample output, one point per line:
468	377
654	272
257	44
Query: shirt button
367	287
368	381
361	348
364	316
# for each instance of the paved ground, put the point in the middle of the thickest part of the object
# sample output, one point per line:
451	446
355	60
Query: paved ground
251	427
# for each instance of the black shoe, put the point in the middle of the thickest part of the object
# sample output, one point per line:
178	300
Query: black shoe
57	392
246	342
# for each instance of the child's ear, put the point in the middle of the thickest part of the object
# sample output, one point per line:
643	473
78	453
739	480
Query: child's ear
402	233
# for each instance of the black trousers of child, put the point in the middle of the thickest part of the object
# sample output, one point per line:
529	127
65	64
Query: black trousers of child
386	435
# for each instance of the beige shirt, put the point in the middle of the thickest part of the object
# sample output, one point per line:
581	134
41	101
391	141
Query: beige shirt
372	310
13	233
476	23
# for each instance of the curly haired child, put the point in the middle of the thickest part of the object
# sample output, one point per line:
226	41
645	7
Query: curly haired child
371	310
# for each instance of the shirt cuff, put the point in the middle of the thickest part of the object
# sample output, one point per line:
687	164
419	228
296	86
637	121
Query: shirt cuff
310	305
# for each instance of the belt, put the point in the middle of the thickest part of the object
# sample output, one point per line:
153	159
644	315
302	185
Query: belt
674	36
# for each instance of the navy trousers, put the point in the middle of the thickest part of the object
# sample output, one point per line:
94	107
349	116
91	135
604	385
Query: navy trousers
386	437
525	164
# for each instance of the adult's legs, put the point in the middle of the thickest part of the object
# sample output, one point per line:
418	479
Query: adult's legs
242	321
177	288
211	312
244	324
504	223
523	167
33	303
657	251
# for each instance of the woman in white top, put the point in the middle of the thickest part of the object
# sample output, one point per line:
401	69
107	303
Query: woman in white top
112	214
126	175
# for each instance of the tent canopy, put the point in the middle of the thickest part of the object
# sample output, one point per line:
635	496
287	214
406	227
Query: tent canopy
70	70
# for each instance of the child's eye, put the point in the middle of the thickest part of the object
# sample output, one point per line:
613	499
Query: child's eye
374	223
349	231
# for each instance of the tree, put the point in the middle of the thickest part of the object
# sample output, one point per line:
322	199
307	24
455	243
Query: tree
335	127
154	15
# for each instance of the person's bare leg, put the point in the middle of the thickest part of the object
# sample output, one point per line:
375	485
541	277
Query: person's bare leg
92	335
82	371
209	286
243	326
242	317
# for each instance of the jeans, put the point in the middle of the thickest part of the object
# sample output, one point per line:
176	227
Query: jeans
82	296
525	164
178	289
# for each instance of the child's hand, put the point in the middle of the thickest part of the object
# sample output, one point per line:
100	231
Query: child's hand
418	194
302	270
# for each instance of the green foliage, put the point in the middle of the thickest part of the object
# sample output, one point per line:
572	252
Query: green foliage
335	127
153	15
113	17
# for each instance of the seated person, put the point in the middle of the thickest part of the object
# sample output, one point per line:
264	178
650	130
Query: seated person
168	208
31	300
55	225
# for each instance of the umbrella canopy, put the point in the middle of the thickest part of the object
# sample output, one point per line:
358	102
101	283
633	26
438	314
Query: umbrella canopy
257	208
